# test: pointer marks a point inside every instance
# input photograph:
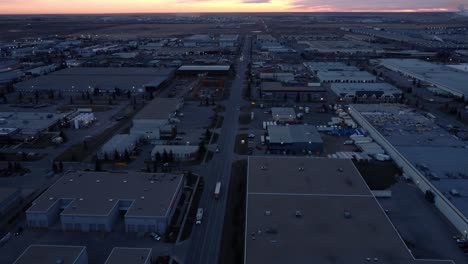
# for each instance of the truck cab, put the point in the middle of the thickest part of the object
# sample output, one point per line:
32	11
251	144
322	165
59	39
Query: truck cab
199	216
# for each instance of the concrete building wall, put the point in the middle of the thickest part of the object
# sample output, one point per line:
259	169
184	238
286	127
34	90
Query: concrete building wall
441	202
43	220
146	224
314	148
86	223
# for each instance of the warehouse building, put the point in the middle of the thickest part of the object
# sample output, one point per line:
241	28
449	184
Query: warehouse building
212	70
316	210
53	254
336	72
156	119
122	255
94	201
28	125
79	79
283	114
228	40
445	78
366	92
118	145
276	90
277	76
179	152
427	153
295	138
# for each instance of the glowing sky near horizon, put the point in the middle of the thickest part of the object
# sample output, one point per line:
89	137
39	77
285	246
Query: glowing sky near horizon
181	6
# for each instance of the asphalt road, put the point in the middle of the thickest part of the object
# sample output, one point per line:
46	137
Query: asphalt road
206	238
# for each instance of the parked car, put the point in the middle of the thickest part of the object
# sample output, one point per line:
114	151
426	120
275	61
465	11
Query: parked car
155	236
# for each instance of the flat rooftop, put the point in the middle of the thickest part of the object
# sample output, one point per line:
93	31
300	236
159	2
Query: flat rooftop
356	88
81	79
442	76
294	134
346	46
429	147
204	68
29	122
341	222
121	255
319	176
50	254
283	111
120	143
279	87
345	75
159	108
97	193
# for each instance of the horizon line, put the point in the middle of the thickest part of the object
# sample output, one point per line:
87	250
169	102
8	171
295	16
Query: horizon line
234	12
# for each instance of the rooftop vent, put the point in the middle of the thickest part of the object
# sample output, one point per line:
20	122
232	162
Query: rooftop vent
340	169
376	259
125	181
111	200
263	167
301	168
51	198
268	212
347	214
81	199
142	197
70	180
98	180
151	181
298	214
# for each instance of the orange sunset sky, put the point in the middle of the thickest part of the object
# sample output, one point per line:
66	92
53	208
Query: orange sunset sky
181	6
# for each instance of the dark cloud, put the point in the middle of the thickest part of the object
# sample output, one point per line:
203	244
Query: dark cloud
370	5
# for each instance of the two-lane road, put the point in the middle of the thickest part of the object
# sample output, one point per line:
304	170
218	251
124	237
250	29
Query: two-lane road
206	239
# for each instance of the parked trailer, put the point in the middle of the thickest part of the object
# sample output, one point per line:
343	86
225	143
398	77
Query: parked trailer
217	190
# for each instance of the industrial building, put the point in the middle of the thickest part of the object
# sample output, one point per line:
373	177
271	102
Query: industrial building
276	90
189	70
447	79
62	254
156	118
316	210
118	145
228	40
335	72
94	201
9	197
79	79
283	114
294	138
366	92
341	47
277	76
429	155
53	254
179	152
121	255
28	125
